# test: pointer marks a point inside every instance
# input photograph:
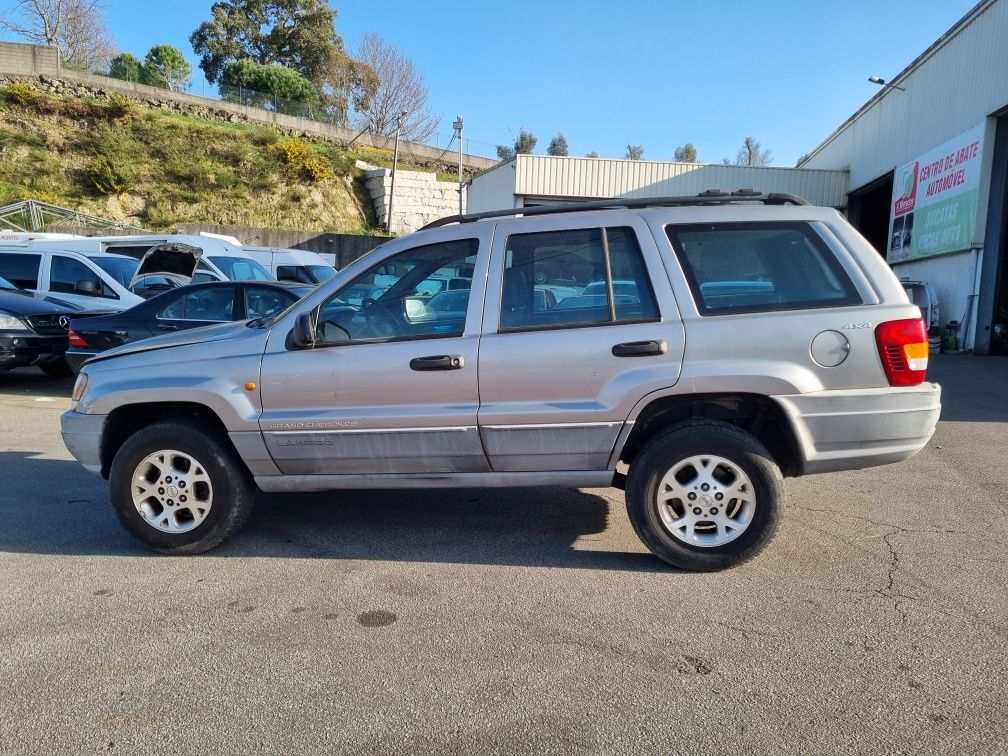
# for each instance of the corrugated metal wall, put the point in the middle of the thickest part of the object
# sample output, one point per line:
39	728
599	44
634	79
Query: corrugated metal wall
584	178
954	88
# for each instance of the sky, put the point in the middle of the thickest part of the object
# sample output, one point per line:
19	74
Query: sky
608	74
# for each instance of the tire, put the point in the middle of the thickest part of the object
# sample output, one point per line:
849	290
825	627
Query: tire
178	467
684	459
58	369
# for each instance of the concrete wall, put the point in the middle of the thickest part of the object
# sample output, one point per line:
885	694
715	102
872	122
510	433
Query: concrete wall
34	61
419	197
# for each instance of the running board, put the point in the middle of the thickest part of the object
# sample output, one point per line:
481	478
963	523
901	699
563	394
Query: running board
567	478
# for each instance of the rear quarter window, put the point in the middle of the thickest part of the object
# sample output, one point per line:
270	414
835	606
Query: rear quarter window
760	267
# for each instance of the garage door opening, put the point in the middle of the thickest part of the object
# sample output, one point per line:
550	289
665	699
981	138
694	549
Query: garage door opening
868	211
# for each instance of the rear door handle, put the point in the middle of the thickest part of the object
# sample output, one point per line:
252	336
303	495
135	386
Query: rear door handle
640	349
438	362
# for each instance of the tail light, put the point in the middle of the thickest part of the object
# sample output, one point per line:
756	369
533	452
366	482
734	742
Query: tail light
903	347
75	339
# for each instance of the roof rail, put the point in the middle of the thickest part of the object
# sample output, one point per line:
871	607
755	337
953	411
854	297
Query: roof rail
709	197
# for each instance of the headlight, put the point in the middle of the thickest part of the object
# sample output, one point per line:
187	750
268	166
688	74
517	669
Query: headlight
10	323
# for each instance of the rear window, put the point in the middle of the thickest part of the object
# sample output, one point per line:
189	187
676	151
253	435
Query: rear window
760	267
241	269
21	269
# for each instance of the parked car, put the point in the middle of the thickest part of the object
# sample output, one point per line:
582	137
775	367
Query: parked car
115	273
32	332
180	309
696	399
297	265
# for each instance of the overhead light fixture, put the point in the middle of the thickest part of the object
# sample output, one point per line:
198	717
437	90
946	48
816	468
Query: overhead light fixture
883	83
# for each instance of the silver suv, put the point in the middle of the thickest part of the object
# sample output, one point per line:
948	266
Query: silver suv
695	352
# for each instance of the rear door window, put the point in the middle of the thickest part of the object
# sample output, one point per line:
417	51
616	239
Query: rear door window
563	279
760	267
21	269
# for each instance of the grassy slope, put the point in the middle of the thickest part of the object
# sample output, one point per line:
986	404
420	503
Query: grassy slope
158	169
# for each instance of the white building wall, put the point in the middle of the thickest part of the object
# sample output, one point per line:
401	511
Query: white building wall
952	87
493	189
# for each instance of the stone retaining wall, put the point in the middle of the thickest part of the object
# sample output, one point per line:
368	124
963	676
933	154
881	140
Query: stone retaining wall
419	197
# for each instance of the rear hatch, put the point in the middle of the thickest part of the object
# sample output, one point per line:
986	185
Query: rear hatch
177	261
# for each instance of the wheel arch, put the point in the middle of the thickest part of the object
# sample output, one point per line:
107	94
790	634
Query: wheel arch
127	419
756	414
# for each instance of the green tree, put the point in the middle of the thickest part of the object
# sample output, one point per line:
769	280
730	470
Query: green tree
558	146
298	34
686	153
126	67
592	154
272	86
524	144
634	152
166	67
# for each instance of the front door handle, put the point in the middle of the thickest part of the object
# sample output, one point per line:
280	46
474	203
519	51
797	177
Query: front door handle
640	349
167	327
438	362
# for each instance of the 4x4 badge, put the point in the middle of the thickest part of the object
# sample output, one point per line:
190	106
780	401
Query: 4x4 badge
856	326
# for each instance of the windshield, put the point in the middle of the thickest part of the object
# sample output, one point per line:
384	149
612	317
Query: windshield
122	269
321	272
241	268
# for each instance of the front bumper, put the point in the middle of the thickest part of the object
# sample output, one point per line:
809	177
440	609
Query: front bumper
18	351
82	436
847	430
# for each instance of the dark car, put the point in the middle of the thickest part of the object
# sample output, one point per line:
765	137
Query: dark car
32	332
180	309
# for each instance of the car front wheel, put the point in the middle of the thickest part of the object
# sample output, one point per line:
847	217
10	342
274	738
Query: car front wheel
705	496
178	489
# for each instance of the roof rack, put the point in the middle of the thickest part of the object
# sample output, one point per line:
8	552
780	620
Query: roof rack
709	197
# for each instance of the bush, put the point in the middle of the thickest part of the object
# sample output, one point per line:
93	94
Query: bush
109	174
121	108
316	169
21	94
294	151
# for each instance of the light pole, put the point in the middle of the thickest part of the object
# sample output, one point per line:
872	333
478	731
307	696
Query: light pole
883	83
395	162
458	128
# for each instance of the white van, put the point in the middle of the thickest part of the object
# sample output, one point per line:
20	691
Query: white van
298	265
99	281
102	272
222	258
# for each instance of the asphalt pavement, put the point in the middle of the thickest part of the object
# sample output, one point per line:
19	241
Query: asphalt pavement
512	621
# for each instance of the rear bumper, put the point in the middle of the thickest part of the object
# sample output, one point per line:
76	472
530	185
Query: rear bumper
76	357
82	436
847	430
17	351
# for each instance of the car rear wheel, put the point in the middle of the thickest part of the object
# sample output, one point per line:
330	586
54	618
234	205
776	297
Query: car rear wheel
705	496
178	489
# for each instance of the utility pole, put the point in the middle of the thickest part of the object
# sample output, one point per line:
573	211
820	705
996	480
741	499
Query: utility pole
395	162
458	128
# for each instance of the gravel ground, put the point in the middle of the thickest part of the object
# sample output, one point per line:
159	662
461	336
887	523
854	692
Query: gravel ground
512	621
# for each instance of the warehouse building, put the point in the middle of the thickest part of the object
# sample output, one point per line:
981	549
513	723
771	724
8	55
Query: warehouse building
921	170
928	164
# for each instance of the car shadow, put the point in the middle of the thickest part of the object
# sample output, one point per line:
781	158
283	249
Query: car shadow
32	382
534	527
973	387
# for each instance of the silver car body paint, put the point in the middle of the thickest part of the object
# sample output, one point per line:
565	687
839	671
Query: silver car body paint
531	407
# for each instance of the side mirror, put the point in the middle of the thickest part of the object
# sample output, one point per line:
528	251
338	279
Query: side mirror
87	286
302	335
